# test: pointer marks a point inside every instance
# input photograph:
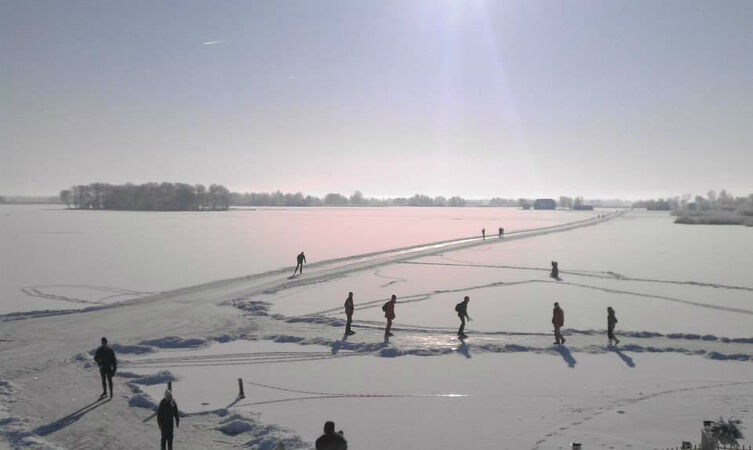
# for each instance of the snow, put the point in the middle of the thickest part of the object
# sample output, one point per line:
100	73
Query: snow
681	295
54	258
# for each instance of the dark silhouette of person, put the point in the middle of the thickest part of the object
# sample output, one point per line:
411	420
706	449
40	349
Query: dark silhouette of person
108	365
331	440
501	232
462	310
483	233
611	322
555	270
389	314
301	258
167	411
558	320
349	308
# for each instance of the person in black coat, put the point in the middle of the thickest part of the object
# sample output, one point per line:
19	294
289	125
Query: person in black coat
108	364
331	440
167	411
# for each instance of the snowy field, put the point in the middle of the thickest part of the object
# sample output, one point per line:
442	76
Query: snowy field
682	295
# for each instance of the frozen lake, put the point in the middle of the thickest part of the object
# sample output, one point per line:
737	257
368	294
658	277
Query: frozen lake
53	258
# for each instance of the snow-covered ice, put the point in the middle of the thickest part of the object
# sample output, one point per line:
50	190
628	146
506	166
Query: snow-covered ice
682	296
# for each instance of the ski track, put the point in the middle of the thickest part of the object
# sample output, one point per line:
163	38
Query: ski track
594	412
37	291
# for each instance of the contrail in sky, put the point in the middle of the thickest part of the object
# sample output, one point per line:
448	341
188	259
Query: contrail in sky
222	41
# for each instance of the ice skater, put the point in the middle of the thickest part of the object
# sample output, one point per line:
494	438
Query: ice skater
108	364
555	270
483	233
389	314
501	232
349	313
301	258
558	320
462	310
331	440
167	411
611	322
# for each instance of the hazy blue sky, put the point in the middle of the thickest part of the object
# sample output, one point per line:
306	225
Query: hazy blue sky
515	98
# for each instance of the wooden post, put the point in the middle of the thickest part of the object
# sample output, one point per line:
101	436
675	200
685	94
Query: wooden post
240	388
170	386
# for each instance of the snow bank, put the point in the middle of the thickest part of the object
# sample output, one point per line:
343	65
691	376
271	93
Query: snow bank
263	437
174	342
141	401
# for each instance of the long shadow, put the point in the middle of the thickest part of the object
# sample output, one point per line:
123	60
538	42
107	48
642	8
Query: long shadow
336	346
44	430
566	355
463	349
628	360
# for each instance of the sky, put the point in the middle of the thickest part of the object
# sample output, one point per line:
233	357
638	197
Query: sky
605	99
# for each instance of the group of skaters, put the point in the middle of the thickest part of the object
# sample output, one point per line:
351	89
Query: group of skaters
167	412
558	319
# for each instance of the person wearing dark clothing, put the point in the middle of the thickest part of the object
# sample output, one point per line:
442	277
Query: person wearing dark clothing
501	232
389	314
349	308
558	320
555	270
483	233
611	322
301	258
167	411
462	310
108	364
331	440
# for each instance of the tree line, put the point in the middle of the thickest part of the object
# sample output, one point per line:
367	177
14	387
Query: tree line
278	198
196	197
147	197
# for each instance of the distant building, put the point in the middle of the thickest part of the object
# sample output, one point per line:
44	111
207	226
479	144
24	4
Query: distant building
544	203
583	207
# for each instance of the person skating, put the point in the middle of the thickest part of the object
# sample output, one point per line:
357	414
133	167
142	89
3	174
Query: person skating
301	259
483	233
558	320
349	308
108	365
555	270
462	310
331	440
389	314
611	322
167	411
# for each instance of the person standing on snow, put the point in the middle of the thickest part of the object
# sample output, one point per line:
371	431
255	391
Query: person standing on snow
108	364
301	258
331	440
349	308
611	322
558	320
483	233
167	411
389	314
462	310
501	232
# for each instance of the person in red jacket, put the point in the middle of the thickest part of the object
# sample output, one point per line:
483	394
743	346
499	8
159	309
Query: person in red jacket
389	314
349	308
558	320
